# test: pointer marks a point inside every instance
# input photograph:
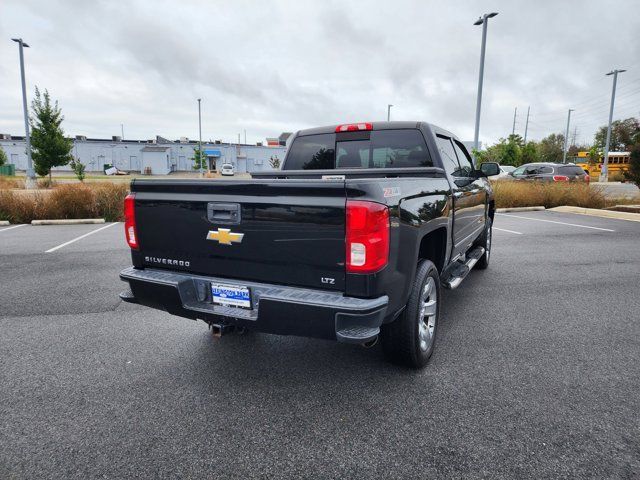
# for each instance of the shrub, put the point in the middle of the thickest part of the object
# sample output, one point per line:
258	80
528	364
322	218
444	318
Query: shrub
634	166
69	201
529	194
10	182
102	200
617	177
109	198
46	183
3	157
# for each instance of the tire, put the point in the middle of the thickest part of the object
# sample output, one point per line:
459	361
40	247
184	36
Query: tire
485	242
409	340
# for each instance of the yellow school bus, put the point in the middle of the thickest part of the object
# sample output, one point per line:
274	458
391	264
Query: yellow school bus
618	163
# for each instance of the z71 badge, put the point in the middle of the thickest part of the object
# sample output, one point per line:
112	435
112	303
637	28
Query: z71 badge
391	192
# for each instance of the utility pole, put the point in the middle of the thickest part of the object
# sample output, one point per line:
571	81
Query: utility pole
389	112
31	177
245	136
122	131
484	21
238	138
575	134
200	137
604	175
513	130
566	137
526	125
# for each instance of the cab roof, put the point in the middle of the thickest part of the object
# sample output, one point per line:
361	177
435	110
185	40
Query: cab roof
395	125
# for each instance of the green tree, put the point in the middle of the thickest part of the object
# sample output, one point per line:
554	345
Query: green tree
199	158
3	157
551	147
594	155
529	153
624	134
505	152
78	168
49	147
493	153
511	154
633	173
274	162
516	139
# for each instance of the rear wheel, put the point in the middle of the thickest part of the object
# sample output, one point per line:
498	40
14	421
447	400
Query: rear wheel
485	242
410	339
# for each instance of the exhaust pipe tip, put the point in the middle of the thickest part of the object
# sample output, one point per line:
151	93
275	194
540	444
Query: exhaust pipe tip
370	343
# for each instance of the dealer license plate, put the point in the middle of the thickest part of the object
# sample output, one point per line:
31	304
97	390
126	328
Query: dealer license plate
231	295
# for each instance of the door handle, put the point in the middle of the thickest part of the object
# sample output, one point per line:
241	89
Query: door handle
224	213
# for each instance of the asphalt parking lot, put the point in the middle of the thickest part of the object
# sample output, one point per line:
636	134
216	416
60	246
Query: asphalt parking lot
535	372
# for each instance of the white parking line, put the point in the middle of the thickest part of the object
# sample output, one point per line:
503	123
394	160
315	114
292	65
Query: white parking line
508	231
11	228
80	237
554	221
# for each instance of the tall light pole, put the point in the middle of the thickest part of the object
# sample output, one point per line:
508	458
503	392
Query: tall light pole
31	178
566	137
484	21
122	131
604	175
513	130
389	112
526	125
200	136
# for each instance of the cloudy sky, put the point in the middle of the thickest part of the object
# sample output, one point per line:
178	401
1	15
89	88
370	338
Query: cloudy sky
267	67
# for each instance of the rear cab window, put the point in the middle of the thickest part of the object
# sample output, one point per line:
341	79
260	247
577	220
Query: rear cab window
361	149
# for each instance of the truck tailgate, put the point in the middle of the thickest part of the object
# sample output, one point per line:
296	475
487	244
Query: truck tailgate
289	232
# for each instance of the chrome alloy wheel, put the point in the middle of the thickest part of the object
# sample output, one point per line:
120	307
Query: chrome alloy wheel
428	311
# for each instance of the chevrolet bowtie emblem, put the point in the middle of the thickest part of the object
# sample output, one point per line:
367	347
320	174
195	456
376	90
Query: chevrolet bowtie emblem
224	236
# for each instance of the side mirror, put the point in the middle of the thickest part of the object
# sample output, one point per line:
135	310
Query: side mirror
489	169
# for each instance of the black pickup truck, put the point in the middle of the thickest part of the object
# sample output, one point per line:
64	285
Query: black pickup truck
353	239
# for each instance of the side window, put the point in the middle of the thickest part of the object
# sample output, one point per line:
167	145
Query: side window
311	152
519	171
448	155
466	162
545	170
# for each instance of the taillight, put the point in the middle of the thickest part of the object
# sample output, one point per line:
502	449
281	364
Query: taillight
587	178
367	236
560	178
354	127
130	221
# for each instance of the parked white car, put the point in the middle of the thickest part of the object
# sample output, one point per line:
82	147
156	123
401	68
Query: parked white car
504	172
227	169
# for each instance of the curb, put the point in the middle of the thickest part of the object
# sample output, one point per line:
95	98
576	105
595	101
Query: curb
519	209
624	208
75	221
4	223
595	212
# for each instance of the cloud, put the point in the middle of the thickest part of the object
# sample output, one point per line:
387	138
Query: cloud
272	66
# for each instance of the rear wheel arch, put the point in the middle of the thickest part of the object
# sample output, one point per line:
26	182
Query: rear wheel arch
433	247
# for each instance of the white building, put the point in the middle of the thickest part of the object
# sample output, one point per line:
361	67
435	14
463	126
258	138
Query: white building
160	155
